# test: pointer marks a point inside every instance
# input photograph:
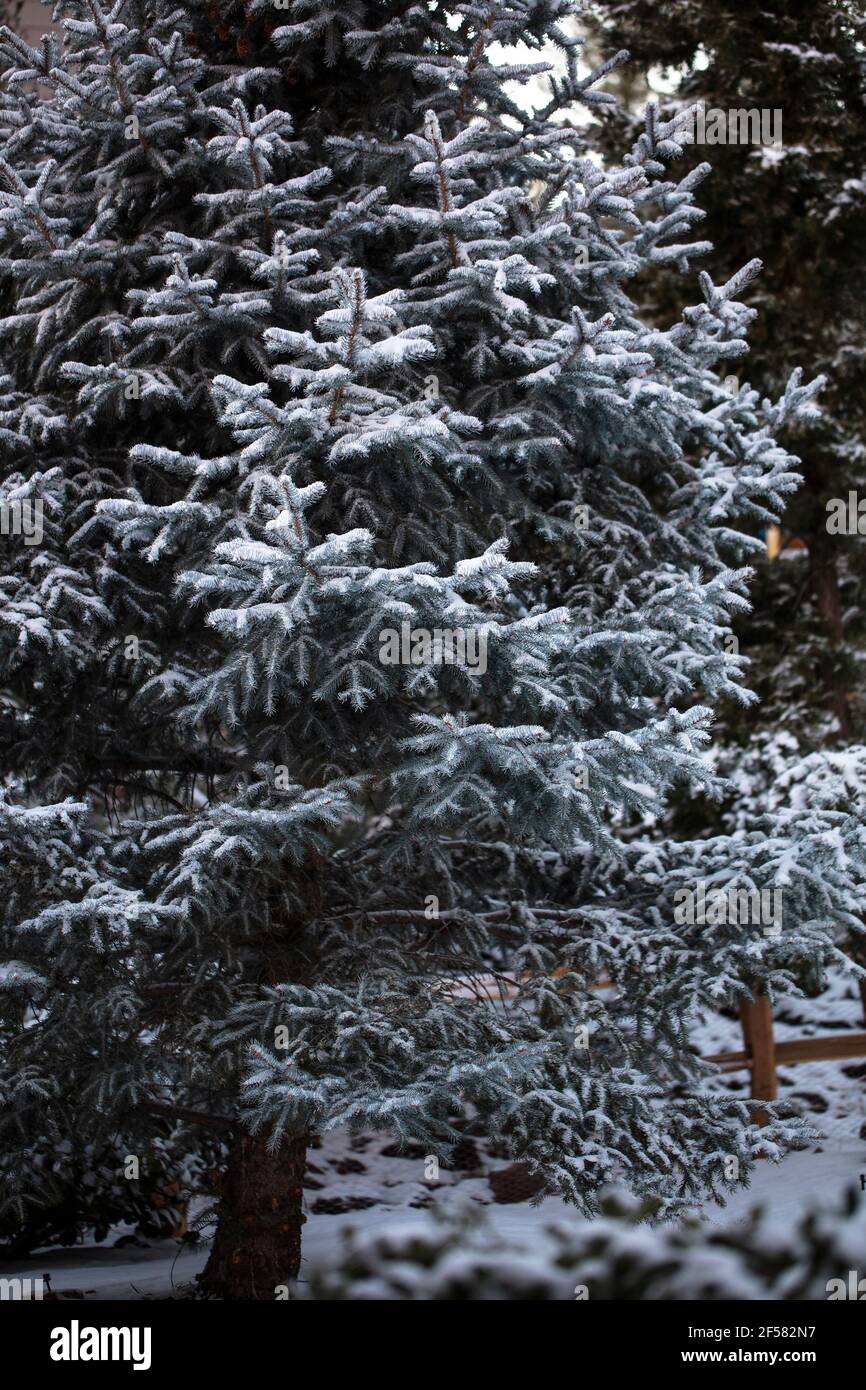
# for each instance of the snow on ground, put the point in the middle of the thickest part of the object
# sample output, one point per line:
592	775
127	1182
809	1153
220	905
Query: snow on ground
363	1181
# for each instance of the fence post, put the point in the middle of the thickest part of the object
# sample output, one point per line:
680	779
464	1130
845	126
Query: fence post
756	1018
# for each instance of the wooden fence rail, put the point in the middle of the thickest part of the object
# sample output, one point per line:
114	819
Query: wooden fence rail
762	1054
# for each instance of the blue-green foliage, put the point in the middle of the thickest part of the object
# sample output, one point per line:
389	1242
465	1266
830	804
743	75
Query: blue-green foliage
300	348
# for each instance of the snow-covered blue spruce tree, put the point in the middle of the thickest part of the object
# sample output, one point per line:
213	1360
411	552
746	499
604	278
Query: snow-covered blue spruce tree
385	567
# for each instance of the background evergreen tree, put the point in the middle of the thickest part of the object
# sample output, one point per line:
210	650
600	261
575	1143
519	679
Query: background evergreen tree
315	331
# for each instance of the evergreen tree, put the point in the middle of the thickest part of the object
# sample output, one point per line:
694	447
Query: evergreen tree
320	355
800	206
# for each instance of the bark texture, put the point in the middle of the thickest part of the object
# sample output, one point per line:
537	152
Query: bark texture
825	585
257	1246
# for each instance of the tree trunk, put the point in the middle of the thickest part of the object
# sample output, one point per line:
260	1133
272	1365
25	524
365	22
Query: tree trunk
257	1247
825	585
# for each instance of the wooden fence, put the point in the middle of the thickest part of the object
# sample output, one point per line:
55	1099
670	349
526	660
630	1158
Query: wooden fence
762	1054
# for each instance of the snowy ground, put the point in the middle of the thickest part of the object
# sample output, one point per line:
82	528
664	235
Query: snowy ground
363	1181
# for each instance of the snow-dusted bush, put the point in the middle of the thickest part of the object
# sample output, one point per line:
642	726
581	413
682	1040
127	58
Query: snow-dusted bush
71	1189
459	1255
